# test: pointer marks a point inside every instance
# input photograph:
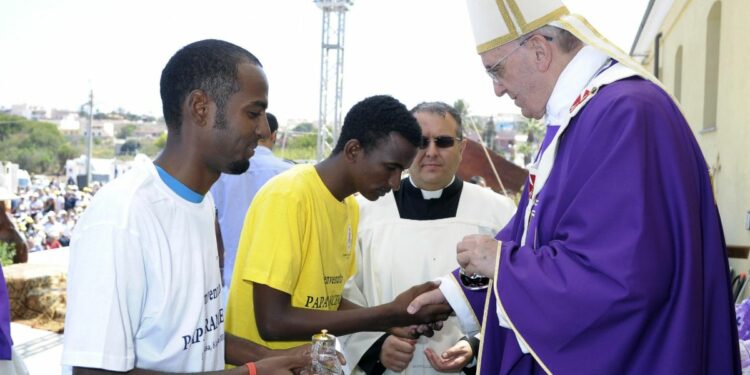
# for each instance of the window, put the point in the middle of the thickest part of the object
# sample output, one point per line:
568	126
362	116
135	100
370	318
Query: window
713	41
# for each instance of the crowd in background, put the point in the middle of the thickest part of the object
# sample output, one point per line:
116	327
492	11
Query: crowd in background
45	215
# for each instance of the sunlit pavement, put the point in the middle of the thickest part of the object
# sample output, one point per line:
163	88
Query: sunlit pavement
40	349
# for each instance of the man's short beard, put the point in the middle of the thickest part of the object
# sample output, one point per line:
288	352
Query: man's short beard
238	167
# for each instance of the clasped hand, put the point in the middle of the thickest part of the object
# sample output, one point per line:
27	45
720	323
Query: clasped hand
477	254
428	319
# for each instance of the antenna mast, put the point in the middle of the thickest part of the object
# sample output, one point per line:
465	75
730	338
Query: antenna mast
331	73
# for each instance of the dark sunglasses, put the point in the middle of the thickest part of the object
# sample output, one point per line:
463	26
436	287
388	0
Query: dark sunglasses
442	141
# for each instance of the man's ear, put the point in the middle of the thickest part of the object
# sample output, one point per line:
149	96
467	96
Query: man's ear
543	52
198	105
353	150
462	146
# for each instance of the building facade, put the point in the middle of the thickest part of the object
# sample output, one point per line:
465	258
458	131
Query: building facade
698	49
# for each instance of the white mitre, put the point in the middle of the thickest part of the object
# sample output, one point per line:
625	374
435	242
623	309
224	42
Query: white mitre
497	22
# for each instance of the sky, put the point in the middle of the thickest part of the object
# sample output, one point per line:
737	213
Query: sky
54	52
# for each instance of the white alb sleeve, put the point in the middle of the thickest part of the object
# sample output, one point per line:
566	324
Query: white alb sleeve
454	295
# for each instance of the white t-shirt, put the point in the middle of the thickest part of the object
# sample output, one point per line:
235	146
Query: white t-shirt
144	284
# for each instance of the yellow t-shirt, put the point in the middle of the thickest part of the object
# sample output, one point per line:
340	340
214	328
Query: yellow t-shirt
299	239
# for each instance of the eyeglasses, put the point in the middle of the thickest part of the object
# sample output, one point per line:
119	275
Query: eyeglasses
496	70
443	141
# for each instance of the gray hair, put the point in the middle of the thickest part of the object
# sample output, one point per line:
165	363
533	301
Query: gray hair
566	41
442	109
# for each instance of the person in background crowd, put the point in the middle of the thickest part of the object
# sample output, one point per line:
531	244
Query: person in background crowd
478	180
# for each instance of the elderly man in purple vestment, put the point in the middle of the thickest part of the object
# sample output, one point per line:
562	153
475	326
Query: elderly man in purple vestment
615	261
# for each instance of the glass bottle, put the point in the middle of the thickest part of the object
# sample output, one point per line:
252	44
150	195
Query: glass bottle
325	360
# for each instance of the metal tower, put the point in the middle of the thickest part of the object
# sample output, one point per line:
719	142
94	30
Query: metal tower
331	73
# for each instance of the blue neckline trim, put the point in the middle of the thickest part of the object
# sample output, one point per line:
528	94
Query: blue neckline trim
178	187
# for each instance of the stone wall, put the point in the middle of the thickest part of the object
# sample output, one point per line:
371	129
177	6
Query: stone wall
37	290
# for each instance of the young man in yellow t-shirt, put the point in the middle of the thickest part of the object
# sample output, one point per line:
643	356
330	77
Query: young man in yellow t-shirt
296	250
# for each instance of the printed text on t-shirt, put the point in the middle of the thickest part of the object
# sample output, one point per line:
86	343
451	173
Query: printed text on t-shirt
212	294
213	322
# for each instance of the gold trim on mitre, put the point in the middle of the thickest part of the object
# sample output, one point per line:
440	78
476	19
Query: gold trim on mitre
497	22
492	44
491	23
531	26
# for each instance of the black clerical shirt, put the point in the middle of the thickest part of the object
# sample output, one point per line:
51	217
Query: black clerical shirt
412	205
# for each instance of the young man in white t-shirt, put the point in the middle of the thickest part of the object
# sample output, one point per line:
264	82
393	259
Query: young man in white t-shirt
144	287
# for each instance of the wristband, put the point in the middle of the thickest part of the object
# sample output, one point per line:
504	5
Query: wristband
251	368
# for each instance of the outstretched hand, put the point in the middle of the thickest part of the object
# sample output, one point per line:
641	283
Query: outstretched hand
427	298
453	359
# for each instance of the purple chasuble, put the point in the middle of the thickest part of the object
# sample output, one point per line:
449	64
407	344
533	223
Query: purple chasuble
5	340
501	353
626	270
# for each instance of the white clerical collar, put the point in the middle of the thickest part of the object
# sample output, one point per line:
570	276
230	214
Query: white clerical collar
585	64
432	194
